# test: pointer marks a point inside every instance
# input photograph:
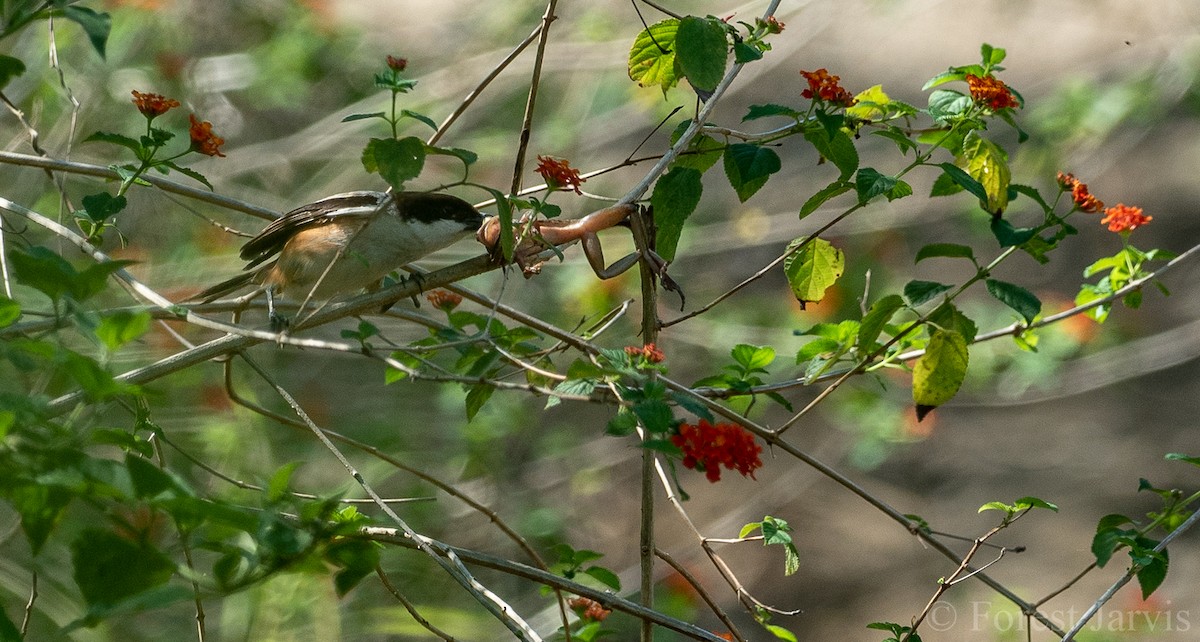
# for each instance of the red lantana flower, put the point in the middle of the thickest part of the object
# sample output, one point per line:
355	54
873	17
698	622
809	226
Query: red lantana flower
397	64
649	351
707	447
559	173
824	86
203	138
991	91
444	300
588	609
153	105
1084	200
1124	218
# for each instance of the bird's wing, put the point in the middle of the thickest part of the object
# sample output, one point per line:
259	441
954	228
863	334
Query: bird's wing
271	240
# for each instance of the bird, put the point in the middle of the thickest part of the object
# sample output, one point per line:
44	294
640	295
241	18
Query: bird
346	242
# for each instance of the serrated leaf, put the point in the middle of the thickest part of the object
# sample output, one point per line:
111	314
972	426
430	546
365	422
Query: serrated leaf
190	173
121	327
703	152
702	51
98	207
408	113
948	317
870	183
652	56
115	139
770	109
988	164
897	136
948	250
813	269
834	189
675	197
477	396
109	568
1015	297
752	357
918	292
396	161
939	373
837	149
1151	575
748	167
945	105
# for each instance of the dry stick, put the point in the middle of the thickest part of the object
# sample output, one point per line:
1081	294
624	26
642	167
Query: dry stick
33	595
486	598
527	122
412	610
606	599
164	184
695	584
649	460
1130	574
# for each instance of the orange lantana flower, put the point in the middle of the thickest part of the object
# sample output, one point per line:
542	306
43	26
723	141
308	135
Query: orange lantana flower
1124	218
153	105
824	86
559	173
991	91
1084	199
203	138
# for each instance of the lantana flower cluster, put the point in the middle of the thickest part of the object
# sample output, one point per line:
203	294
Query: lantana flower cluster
991	91
588	609
1122	218
203	139
559	173
824	86
650	352
707	447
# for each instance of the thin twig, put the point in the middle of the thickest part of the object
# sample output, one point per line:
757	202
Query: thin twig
412	610
699	588
527	122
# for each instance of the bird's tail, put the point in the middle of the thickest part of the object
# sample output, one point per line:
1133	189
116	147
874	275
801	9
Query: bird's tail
225	287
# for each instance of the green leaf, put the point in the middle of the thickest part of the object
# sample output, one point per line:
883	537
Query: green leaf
1015	297
40	507
109	568
655	415
949	250
869	104
988	164
467	156
947	317
748	167
623	423
897	135
396	161
121	327
939	373
702	51
780	632
10	68
918	292
652	56
813	269
1009	236
408	113
946	105
604	576
1151	575
703	152
834	189
870	183
190	173
116	139
10	311
1025	503
354	117
748	529
875	319
96	25
990	55
1195	461
965	181
477	396
744	53
753	357
675	197
764	111
837	148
